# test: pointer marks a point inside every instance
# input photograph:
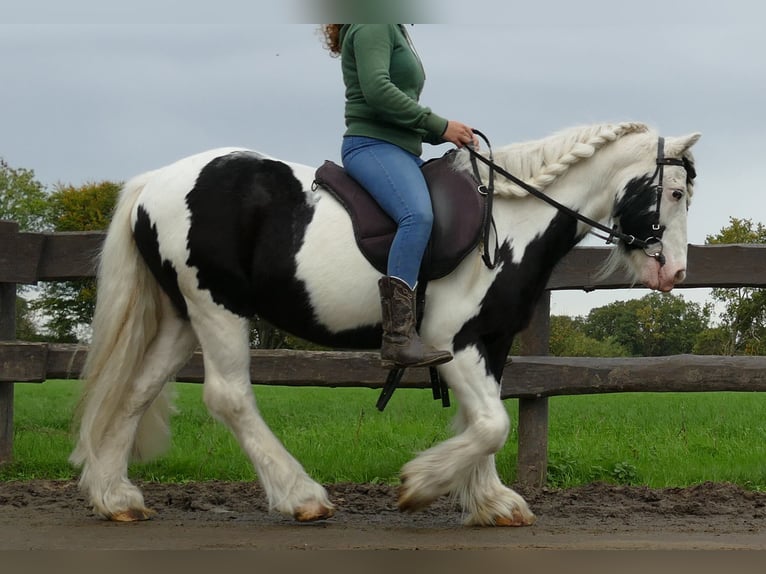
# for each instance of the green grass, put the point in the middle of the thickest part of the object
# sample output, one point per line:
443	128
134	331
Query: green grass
633	438
669	439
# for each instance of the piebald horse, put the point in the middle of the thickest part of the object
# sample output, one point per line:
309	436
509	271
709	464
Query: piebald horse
198	247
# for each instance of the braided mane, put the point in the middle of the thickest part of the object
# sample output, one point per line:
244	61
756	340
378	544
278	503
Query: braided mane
539	163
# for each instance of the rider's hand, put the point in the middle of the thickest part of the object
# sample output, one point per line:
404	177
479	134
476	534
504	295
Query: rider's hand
460	134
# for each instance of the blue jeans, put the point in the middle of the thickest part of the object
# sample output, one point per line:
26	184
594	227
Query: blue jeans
393	177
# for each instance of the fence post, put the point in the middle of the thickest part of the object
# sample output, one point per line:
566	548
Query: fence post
7	333
532	463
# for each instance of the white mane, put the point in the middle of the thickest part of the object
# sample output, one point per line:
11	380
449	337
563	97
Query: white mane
539	163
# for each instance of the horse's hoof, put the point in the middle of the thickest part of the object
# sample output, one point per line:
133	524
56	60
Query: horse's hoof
408	504
132	515
409	501
516	519
313	512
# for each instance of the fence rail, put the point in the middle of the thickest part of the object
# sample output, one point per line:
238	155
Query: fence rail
533	377
524	377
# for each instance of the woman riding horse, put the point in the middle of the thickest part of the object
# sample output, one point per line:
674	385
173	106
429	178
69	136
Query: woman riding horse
385	130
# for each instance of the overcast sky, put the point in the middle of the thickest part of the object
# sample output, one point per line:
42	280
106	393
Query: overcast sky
93	92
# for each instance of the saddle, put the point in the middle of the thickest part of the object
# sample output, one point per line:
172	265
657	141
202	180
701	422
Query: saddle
459	206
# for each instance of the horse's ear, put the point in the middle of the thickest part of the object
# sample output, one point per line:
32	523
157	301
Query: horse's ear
676	147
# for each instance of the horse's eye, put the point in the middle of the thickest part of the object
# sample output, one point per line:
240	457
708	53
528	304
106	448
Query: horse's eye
677	194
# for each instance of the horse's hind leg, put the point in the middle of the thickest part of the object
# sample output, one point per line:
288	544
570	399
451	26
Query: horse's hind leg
229	397
105	468
464	464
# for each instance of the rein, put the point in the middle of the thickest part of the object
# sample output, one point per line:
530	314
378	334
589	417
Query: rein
652	246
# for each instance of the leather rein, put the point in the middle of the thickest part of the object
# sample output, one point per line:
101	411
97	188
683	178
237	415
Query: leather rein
652	246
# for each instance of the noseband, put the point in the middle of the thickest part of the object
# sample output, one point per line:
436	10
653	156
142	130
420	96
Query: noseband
651	246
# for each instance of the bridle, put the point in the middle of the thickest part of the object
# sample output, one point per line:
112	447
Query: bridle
651	246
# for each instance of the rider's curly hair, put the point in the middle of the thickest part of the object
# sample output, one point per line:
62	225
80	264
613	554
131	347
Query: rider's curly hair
331	33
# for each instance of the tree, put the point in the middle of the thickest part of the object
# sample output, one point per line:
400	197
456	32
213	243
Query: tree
713	341
655	325
568	338
69	305
26	327
22	198
744	316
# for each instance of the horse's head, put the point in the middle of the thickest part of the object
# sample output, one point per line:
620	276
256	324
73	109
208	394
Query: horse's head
652	207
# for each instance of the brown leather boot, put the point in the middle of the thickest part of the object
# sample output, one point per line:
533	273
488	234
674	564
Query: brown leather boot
402	346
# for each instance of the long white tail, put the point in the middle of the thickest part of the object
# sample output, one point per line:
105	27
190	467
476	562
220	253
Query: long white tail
124	324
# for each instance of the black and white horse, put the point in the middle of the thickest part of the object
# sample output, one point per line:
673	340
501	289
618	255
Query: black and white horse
196	248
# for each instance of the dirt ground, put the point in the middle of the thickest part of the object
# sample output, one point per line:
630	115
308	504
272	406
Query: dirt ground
50	515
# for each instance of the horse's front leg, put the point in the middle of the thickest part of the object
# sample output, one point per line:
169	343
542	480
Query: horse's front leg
464	465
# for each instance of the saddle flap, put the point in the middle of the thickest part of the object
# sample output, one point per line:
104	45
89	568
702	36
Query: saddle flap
458	213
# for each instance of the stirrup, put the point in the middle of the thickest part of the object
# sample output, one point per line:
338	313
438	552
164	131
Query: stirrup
438	387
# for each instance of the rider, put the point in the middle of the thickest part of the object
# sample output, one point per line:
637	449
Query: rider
385	130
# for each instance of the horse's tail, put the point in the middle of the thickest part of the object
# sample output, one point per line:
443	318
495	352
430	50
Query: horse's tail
124	324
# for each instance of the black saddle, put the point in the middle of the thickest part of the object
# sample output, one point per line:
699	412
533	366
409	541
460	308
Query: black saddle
459	206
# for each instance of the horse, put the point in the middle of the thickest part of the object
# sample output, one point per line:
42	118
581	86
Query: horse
197	248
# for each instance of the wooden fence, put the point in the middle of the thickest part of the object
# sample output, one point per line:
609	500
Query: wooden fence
533	377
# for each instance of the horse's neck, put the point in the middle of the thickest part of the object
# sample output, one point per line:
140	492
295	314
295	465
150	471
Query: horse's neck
558	161
591	186
588	188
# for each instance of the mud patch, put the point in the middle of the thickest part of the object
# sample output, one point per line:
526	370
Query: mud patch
54	515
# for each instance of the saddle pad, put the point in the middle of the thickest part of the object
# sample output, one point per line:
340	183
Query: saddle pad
458	215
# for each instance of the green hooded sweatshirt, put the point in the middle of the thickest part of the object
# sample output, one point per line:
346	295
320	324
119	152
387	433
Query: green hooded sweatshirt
384	78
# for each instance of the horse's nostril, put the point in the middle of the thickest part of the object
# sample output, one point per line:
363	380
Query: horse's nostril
680	275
